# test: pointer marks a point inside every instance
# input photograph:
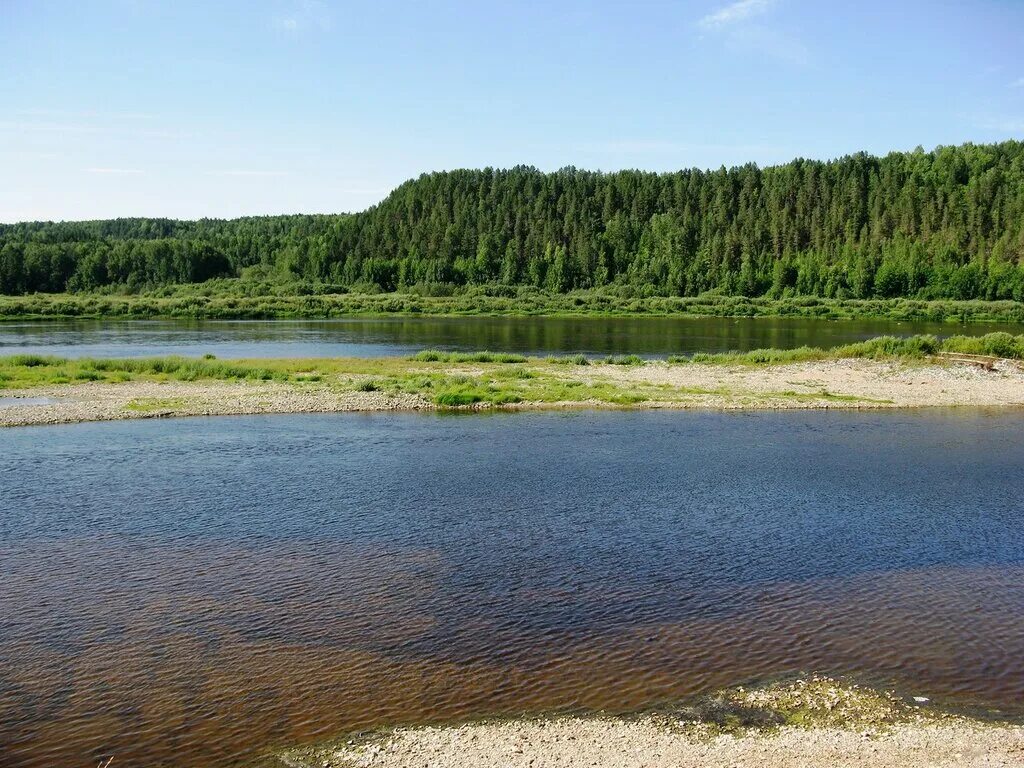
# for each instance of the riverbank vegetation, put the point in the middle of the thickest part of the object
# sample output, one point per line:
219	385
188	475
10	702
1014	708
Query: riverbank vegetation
945	224
221	302
997	345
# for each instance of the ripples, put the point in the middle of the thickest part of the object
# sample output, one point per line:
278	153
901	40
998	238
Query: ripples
200	594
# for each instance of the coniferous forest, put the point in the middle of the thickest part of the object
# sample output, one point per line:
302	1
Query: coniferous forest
942	224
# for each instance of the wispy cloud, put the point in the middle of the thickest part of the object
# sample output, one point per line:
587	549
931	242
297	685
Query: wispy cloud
657	146
371	191
13	216
86	113
246	173
736	12
124	125
744	27
114	171
769	41
1018	83
22	126
1000	123
305	14
34	155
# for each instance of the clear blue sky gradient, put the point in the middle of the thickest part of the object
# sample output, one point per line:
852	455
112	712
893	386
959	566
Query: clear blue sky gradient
187	109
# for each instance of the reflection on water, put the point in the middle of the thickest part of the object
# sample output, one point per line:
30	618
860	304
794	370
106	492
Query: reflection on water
377	337
192	593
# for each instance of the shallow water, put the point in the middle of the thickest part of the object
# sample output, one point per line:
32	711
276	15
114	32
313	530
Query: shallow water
380	337
195	592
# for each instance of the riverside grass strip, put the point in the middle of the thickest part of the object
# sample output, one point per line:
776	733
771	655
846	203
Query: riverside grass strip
40	370
233	300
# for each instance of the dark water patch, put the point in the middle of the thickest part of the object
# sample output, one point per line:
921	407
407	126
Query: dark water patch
395	336
193	592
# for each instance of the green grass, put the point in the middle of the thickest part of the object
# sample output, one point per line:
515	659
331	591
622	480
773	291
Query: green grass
995	344
155	404
624	360
883	347
436	356
567	360
34	361
35	370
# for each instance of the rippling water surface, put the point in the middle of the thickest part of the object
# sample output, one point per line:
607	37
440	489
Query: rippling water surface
195	592
383	337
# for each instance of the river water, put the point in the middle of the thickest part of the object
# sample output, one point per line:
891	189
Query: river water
196	592
394	336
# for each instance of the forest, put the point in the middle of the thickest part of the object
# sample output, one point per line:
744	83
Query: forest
944	224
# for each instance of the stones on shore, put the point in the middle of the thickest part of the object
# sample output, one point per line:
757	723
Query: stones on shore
138	400
819	721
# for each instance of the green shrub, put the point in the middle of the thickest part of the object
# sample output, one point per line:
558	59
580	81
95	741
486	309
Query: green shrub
454	398
34	361
624	360
429	356
435	356
998	344
568	360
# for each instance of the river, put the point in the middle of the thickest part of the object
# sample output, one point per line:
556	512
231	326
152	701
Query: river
395	336
196	592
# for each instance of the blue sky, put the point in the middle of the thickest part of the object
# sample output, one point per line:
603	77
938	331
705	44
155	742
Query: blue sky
182	109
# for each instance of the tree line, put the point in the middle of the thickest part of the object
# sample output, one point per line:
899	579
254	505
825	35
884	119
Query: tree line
942	224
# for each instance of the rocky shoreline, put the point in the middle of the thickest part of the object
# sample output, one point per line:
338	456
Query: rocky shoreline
808	722
69	404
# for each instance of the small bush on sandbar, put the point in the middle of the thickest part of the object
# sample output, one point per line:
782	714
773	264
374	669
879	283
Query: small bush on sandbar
457	397
35	361
624	360
435	356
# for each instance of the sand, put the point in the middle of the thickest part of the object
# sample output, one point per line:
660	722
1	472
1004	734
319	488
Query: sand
643	743
843	725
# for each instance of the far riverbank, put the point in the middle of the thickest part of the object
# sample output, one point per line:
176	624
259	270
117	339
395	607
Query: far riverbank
237	300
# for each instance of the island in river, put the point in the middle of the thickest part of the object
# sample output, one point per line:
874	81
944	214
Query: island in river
881	373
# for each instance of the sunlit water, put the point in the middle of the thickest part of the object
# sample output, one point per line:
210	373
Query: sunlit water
196	592
377	337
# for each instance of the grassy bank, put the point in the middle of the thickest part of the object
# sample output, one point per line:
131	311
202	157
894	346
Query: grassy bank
443	379
197	303
1001	345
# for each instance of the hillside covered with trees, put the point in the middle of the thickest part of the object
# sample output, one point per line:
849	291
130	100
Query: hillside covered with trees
941	224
